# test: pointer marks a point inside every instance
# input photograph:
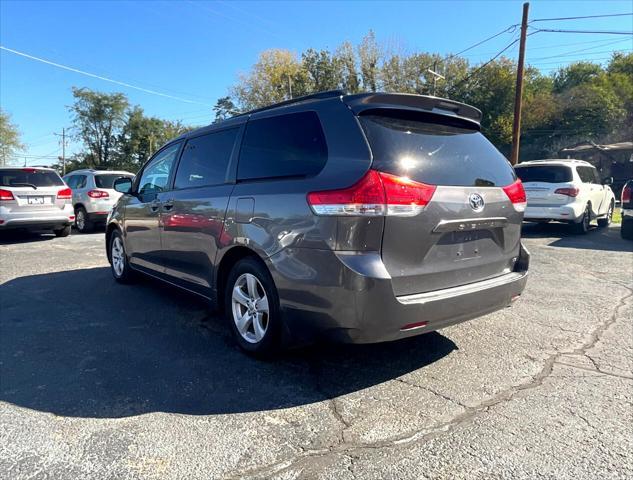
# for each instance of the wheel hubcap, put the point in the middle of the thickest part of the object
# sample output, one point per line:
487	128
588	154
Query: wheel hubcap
118	256
250	308
81	221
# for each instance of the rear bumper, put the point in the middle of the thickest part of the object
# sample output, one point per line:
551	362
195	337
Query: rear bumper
349	303
56	218
570	212
97	217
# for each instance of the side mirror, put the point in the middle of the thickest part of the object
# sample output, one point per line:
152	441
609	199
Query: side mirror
123	185
608	181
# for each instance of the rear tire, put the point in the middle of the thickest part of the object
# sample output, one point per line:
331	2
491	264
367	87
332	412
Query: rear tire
626	229
251	306
119	264
583	226
82	223
606	221
62	232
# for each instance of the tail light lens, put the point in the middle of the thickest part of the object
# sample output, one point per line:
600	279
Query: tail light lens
65	194
98	194
516	194
376	194
570	192
6	195
626	193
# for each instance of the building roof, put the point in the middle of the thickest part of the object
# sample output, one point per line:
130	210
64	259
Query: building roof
586	147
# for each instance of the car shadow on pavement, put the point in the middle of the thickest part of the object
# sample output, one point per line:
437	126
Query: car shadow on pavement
75	343
607	239
11	237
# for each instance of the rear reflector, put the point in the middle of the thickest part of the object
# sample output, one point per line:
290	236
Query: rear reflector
413	326
516	194
570	192
65	194
626	193
98	194
376	194
6	195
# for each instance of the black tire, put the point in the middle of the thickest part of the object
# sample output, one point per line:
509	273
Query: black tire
606	221
582	227
626	229
121	272
269	343
82	224
62	232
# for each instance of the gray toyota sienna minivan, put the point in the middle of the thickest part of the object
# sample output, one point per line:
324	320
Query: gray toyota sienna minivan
358	218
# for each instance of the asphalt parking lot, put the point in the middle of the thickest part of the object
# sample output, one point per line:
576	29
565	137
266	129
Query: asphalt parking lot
105	381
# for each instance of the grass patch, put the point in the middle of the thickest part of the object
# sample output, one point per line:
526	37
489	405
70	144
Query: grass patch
617	215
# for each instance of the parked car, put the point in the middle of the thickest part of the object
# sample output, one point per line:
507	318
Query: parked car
35	198
566	190
93	195
359	218
626	204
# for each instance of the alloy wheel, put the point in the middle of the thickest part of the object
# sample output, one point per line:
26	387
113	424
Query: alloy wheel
250	308
118	256
80	219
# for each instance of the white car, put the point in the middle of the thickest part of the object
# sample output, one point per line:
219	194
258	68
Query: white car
566	191
93	195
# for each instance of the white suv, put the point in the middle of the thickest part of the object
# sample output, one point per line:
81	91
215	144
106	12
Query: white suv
93	195
566	191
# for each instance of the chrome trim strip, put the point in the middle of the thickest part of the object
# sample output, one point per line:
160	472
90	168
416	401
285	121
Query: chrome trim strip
447	293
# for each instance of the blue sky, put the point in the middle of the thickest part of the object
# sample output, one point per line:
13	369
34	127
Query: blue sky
195	50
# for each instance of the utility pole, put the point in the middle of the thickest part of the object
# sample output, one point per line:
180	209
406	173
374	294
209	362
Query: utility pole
289	87
518	93
63	135
435	77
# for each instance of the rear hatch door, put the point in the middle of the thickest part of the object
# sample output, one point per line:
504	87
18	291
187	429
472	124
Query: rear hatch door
470	230
546	185
34	190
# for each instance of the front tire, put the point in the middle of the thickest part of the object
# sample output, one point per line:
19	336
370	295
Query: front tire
251	305
119	265
606	221
583	226
626	229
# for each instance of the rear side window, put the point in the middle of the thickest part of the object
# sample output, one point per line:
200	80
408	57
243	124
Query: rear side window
29	177
107	181
545	174
414	145
285	146
586	174
205	159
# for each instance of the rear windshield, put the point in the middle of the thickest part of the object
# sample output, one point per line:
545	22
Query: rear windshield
544	173
29	177
415	145
107	181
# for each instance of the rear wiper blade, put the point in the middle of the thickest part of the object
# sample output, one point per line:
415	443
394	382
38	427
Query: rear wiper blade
23	185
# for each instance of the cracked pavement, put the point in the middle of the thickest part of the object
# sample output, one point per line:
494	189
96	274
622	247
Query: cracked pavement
99	380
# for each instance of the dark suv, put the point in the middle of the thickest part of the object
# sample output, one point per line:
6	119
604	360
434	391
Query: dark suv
359	218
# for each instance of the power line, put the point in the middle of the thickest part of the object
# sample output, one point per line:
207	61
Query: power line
117	82
578	18
562	55
510	29
602	32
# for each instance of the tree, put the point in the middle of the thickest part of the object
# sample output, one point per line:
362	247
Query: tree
349	74
369	55
224	108
9	139
323	71
98	119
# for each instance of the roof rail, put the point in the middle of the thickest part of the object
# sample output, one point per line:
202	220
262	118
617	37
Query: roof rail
313	96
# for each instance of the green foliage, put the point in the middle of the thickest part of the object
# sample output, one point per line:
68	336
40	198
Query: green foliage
10	142
224	108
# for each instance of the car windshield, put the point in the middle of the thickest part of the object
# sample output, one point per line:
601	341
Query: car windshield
29	177
107	181
544	173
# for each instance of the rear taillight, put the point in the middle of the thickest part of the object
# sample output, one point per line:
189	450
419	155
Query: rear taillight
568	191
516	194
65	194
626	193
376	194
98	194
6	195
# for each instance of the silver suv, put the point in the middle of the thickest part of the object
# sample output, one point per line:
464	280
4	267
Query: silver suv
359	218
93	195
35	199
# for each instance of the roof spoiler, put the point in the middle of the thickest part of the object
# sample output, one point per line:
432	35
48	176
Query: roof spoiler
443	106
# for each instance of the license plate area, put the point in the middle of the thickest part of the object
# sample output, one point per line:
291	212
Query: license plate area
463	245
36	200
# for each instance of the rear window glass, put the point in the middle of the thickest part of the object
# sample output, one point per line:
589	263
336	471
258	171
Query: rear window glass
29	177
107	181
545	174
416	146
285	146
205	159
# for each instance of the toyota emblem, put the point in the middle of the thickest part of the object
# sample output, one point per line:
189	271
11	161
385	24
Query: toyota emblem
476	202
